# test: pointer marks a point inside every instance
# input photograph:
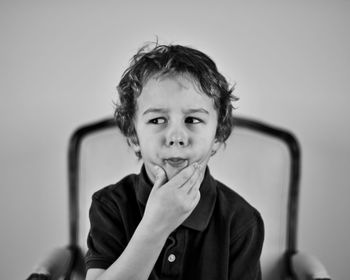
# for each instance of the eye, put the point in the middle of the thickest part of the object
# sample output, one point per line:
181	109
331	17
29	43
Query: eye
192	120
157	121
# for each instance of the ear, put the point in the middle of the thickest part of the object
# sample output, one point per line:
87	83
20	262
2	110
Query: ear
134	144
135	147
216	146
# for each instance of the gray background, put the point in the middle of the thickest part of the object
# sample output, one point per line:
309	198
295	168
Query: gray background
61	60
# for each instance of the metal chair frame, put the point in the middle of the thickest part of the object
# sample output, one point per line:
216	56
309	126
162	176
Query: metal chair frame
285	136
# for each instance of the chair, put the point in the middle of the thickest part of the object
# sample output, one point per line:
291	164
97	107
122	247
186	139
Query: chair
260	161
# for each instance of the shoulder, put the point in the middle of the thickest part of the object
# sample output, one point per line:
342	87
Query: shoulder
232	200
239	213
118	192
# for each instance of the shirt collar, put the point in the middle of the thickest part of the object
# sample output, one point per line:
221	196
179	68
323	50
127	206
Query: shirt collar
200	216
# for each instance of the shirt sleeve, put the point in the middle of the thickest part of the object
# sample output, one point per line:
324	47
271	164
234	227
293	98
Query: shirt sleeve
106	238
245	250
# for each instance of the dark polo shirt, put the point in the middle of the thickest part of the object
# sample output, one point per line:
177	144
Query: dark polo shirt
221	239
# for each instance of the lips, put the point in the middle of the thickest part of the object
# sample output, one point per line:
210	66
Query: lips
177	162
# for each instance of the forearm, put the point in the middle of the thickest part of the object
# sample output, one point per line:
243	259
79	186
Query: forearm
168	205
139	257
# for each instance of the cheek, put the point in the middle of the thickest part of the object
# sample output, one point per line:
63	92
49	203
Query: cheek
146	136
150	146
203	146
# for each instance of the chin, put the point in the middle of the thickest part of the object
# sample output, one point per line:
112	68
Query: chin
172	172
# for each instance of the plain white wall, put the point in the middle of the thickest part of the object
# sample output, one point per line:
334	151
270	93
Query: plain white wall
61	60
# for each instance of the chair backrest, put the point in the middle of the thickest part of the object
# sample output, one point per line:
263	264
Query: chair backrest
259	161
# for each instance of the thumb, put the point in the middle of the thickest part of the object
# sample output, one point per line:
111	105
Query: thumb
160	177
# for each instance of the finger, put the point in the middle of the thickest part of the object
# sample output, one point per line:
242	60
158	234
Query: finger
193	181
183	176
197	197
187	186
195	187
160	177
197	181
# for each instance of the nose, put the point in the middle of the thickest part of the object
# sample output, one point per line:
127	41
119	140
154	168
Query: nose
177	137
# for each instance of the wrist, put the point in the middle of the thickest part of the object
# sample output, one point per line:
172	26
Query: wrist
153	232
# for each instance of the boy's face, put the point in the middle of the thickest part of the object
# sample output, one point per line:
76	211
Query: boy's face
175	125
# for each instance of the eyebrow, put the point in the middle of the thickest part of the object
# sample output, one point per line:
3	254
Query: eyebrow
154	110
199	110
187	111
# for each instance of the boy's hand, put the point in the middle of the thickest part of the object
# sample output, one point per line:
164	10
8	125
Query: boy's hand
170	204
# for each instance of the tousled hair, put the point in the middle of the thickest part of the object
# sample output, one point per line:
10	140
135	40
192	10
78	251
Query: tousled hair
162	60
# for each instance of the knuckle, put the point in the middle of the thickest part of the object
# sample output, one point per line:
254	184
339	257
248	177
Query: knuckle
184	205
185	175
187	172
191	181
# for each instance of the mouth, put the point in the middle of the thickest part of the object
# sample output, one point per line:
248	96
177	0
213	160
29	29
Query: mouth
177	162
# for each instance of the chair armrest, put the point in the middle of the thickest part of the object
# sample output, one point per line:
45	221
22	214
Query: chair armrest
308	267
55	264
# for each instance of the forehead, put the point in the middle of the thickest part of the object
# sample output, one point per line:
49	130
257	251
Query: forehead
173	92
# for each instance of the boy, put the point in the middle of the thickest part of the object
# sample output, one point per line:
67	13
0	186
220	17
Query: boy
173	220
